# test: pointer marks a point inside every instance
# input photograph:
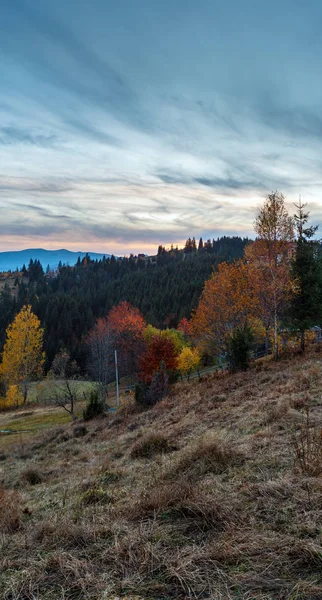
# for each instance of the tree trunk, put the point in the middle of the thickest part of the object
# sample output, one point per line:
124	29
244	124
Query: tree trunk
303	341
275	329
266	341
25	392
275	336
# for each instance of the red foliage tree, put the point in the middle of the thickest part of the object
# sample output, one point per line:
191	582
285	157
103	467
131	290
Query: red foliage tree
127	326
185	326
161	352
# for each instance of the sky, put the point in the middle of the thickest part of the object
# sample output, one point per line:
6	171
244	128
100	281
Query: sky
126	124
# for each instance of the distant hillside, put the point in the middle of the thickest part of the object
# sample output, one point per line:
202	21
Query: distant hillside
10	261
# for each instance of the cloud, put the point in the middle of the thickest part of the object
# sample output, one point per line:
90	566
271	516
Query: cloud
15	135
143	126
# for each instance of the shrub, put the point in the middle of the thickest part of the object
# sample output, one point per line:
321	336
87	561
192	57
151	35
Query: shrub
32	476
150	445
94	407
149	394
308	447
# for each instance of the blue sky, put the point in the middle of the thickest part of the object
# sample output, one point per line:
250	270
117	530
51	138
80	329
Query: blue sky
132	123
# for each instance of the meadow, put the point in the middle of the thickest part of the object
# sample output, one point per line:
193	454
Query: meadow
206	495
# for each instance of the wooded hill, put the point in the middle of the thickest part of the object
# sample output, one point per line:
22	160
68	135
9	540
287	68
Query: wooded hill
165	287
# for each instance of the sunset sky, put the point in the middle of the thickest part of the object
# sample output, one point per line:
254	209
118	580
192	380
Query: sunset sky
129	123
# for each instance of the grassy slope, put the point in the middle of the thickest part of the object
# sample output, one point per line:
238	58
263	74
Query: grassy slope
223	514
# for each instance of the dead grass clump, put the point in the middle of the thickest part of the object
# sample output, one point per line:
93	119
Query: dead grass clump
63	534
300	402
308	447
32	476
306	556
150	445
9	511
95	496
160	498
79	431
197	514
276	412
110	477
56	575
210	455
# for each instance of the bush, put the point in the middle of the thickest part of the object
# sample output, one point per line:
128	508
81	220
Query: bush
94	407
150	445
240	345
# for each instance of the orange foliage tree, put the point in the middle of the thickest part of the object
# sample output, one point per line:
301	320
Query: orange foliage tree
160	353
227	303
127	326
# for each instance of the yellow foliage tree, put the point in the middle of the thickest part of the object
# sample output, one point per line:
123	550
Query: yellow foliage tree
188	361
23	358
13	397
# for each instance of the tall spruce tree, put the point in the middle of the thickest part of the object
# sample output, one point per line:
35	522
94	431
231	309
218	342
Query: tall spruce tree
306	304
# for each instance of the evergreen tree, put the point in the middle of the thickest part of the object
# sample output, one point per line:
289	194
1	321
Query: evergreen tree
306	304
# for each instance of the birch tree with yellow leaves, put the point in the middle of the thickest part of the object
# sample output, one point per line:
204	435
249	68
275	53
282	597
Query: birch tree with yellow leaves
23	357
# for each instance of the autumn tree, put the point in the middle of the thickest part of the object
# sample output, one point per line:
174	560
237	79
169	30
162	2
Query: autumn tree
185	327
127	325
23	358
272	253
306	304
100	343
188	361
161	354
226	303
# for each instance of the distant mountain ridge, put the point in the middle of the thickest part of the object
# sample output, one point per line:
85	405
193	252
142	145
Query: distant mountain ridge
10	261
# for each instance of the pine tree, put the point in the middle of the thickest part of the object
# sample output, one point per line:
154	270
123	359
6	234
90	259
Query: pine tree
306	304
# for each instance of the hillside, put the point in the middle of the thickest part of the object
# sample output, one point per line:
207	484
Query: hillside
11	261
199	497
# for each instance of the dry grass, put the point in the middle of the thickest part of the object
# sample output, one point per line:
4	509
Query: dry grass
205	455
308	447
228	516
150	445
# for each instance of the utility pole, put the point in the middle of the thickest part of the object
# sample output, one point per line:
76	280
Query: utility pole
117	380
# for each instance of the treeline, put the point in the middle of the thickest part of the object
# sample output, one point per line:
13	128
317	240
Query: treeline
165	288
